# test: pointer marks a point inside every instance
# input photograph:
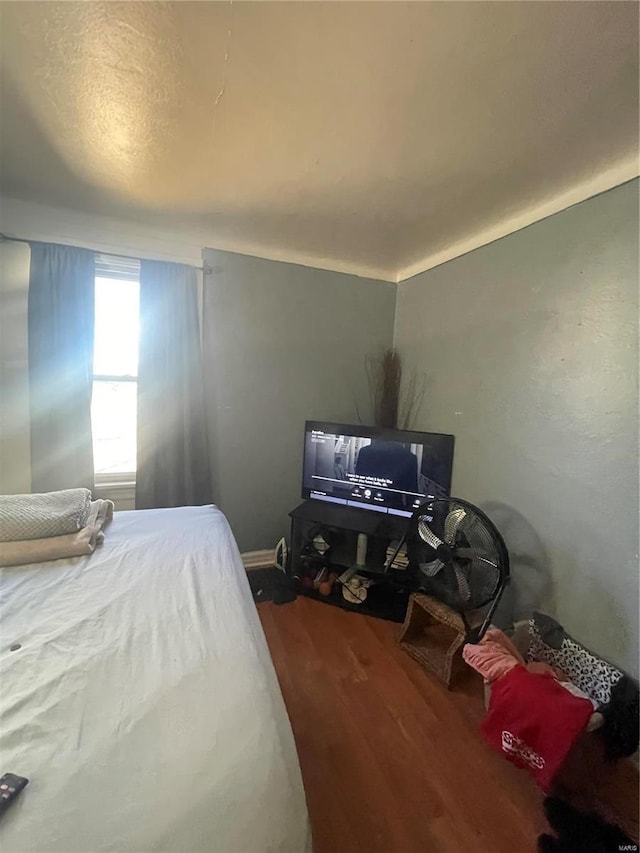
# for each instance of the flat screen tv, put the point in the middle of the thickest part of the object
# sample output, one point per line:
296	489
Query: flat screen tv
388	471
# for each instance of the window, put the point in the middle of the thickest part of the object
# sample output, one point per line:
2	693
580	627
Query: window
115	368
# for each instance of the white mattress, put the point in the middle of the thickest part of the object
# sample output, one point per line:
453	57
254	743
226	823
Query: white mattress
143	704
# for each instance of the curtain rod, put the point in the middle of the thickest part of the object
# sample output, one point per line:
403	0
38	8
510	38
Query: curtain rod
205	269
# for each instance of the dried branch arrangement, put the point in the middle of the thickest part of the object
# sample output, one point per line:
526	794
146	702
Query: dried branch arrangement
411	398
384	375
393	405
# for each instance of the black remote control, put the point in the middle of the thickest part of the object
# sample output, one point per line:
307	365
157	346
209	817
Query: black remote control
10	787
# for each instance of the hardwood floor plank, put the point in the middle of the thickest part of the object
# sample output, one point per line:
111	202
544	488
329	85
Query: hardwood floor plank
392	762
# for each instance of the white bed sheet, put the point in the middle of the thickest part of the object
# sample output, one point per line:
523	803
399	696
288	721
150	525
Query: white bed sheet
143	704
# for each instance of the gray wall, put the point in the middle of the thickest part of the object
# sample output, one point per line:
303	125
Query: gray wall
15	454
531	349
282	344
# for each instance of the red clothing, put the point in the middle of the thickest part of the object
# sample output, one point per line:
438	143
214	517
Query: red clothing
533	721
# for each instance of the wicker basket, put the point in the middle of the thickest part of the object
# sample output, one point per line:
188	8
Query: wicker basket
432	633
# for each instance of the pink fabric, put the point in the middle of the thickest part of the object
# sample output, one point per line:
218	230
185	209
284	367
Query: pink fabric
540	668
493	656
495	635
492	661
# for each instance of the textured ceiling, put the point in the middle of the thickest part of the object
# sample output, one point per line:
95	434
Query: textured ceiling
362	136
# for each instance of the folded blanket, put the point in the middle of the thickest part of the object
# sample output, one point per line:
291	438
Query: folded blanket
39	516
76	544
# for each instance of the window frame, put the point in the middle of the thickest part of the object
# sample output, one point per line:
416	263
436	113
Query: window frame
120	269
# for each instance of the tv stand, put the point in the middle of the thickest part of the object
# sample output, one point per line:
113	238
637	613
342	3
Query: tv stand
341	525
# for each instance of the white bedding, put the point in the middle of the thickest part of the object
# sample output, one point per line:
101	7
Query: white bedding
143	704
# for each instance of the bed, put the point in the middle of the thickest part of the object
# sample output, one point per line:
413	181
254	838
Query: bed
142	703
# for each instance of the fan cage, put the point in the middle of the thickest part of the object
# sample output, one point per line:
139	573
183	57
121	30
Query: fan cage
477	568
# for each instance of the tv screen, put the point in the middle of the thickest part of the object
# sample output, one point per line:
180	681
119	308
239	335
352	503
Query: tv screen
389	471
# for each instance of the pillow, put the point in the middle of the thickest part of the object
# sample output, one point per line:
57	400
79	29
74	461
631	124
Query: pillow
550	643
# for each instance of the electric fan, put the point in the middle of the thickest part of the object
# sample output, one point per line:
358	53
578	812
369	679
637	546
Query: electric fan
459	557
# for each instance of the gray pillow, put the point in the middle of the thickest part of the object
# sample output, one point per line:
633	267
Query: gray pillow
550	643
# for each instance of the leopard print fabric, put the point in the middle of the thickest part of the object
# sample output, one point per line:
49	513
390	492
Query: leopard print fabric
590	673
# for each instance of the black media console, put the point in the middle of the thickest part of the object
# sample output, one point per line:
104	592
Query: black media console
340	526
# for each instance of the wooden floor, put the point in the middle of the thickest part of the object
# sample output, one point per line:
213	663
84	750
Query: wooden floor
392	762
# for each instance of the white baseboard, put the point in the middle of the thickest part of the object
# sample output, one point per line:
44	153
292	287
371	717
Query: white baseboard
258	559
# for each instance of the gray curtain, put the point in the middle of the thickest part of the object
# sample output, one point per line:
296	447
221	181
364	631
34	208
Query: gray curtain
61	321
173	463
